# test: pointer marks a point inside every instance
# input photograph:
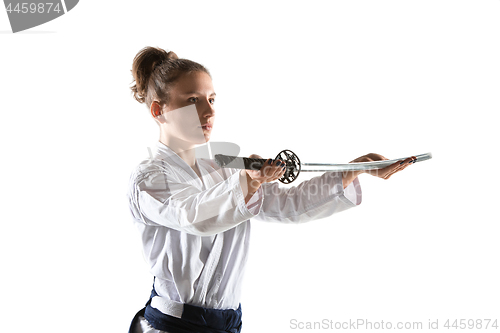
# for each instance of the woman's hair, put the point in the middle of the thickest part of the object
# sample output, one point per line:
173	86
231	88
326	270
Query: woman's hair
155	72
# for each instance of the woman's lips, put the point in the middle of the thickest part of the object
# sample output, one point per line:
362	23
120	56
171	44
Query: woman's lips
206	127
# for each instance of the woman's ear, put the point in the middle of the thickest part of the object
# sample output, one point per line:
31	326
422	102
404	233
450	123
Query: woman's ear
158	113
156	109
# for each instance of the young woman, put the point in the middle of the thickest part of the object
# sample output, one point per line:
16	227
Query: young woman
194	217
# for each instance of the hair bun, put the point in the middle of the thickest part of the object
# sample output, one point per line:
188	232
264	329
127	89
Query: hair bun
143	66
172	56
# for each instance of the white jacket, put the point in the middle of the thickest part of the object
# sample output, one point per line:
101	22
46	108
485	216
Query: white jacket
195	232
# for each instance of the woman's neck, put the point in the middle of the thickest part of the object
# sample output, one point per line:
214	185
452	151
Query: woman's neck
184	150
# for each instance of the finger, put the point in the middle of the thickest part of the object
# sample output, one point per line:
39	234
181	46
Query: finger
267	163
386	172
399	165
407	162
390	169
277	174
274	177
275	167
391	172
402	165
283	167
282	172
271	172
266	170
279	171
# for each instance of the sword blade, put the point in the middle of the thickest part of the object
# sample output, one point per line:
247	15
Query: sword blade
255	164
325	167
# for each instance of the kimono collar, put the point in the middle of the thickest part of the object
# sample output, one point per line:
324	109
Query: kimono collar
166	153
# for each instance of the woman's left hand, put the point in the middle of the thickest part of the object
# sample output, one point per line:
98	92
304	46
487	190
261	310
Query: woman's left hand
388	171
385	173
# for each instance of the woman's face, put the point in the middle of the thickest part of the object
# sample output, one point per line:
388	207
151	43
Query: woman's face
189	116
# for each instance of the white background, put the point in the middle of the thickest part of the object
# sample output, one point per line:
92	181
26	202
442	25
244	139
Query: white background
330	80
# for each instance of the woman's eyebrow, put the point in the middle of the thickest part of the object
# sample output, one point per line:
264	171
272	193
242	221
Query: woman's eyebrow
196	92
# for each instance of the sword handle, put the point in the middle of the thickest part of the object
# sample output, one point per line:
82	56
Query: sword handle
226	161
288	157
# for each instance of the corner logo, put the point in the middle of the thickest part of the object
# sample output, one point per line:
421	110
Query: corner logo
28	14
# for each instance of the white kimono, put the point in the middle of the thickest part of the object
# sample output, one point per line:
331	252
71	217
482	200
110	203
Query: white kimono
195	232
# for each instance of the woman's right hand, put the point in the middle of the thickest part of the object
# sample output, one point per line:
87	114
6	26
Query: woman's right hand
270	171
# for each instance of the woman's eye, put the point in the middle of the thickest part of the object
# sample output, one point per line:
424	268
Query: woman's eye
193	99
212	101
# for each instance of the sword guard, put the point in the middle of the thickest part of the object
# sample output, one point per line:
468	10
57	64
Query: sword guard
292	168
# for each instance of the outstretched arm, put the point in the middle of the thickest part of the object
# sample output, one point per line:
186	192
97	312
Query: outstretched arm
321	196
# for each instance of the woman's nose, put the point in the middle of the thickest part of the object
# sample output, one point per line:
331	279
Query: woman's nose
208	109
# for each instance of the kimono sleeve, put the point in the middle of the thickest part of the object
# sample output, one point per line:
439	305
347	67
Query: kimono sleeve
313	199
163	201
